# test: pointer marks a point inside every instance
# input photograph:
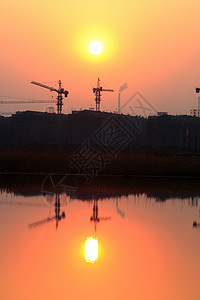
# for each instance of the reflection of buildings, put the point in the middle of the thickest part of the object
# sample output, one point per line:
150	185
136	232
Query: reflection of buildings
162	189
95	216
164	196
57	217
119	211
193	201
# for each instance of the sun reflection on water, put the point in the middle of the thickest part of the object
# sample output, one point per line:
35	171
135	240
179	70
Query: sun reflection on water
91	249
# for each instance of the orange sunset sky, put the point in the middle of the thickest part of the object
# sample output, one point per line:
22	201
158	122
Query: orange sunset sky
154	46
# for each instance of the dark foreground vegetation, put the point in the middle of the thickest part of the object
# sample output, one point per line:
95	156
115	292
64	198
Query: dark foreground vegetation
124	164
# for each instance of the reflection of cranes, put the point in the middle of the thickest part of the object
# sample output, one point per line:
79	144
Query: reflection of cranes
60	92
53	184
95	217
97	91
119	211
57	216
195	224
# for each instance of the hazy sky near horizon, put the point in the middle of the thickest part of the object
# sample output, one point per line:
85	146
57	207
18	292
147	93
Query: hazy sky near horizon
152	45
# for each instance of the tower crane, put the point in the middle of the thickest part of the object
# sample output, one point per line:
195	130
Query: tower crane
57	217
95	216
97	91
60	92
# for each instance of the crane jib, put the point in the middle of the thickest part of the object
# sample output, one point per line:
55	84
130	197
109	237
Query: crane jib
60	91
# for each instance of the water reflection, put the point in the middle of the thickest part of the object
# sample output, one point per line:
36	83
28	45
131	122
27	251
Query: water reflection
196	224
147	250
91	249
163	189
119	211
95	216
57	217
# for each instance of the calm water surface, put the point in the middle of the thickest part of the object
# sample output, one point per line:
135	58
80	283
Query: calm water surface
139	248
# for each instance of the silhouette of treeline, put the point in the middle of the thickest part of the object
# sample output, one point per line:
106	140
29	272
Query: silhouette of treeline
102	187
124	164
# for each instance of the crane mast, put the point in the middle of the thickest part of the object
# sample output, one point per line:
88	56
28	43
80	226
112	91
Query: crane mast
60	91
59	99
56	217
97	91
95	216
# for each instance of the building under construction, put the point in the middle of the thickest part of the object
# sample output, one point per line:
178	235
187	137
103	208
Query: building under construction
112	133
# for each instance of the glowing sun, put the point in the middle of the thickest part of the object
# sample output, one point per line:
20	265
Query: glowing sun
91	250
95	47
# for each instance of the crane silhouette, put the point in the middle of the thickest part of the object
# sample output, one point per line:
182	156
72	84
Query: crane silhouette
97	91
95	216
195	223
60	91
57	217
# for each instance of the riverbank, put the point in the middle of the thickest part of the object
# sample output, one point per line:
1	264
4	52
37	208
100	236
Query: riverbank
123	164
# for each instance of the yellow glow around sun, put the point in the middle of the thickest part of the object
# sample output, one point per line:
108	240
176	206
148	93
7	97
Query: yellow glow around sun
85	36
91	250
95	47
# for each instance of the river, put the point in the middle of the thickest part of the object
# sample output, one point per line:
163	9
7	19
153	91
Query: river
101	246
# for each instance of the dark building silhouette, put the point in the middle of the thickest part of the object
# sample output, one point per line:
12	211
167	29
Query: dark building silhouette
37	130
